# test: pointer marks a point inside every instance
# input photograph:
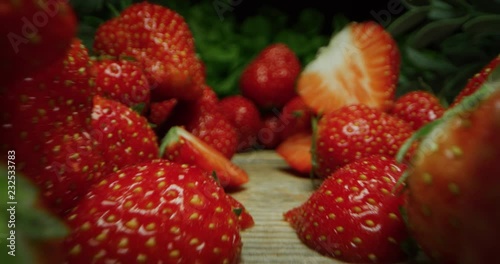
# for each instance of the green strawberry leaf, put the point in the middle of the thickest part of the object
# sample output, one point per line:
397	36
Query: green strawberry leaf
435	31
408	21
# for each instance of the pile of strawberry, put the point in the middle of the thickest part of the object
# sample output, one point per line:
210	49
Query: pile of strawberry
133	150
129	147
359	126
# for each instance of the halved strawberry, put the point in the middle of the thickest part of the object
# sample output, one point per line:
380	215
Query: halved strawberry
296	151
359	66
181	146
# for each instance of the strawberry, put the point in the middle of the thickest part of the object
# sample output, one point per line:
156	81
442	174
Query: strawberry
244	115
270	135
298	115
122	80
360	65
417	108
180	146
475	82
154	212
35	35
159	112
162	43
353	216
124	136
453	202
49	99
269	79
70	163
245	219
203	119
353	132
296	151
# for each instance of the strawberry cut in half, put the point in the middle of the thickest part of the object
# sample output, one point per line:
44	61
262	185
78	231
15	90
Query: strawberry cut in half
359	66
296	151
183	147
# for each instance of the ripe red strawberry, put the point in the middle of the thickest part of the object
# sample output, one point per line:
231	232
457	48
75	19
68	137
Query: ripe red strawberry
298	117
49	99
359	66
161	41
269	79
124	136
353	132
123	81
270	135
159	112
154	212
476	81
245	219
244	115
354	216
418	108
203	119
296	151
35	35
453	203
183	147
70	162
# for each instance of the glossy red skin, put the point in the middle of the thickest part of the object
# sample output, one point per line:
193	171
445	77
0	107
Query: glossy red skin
55	97
418	108
161	41
167	213
71	162
159	112
299	116
124	137
123	81
475	82
35	35
354	215
245	219
269	79
453	187
356	131
244	115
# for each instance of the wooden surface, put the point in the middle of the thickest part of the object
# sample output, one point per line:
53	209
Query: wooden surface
272	190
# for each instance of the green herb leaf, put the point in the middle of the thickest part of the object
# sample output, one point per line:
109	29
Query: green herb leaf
408	21
435	32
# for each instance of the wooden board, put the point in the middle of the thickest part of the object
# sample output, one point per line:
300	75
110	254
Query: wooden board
272	190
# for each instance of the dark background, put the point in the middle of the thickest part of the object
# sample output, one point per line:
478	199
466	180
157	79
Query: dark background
354	10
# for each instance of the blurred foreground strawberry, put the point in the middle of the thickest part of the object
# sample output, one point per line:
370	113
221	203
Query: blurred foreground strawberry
35	34
453	194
